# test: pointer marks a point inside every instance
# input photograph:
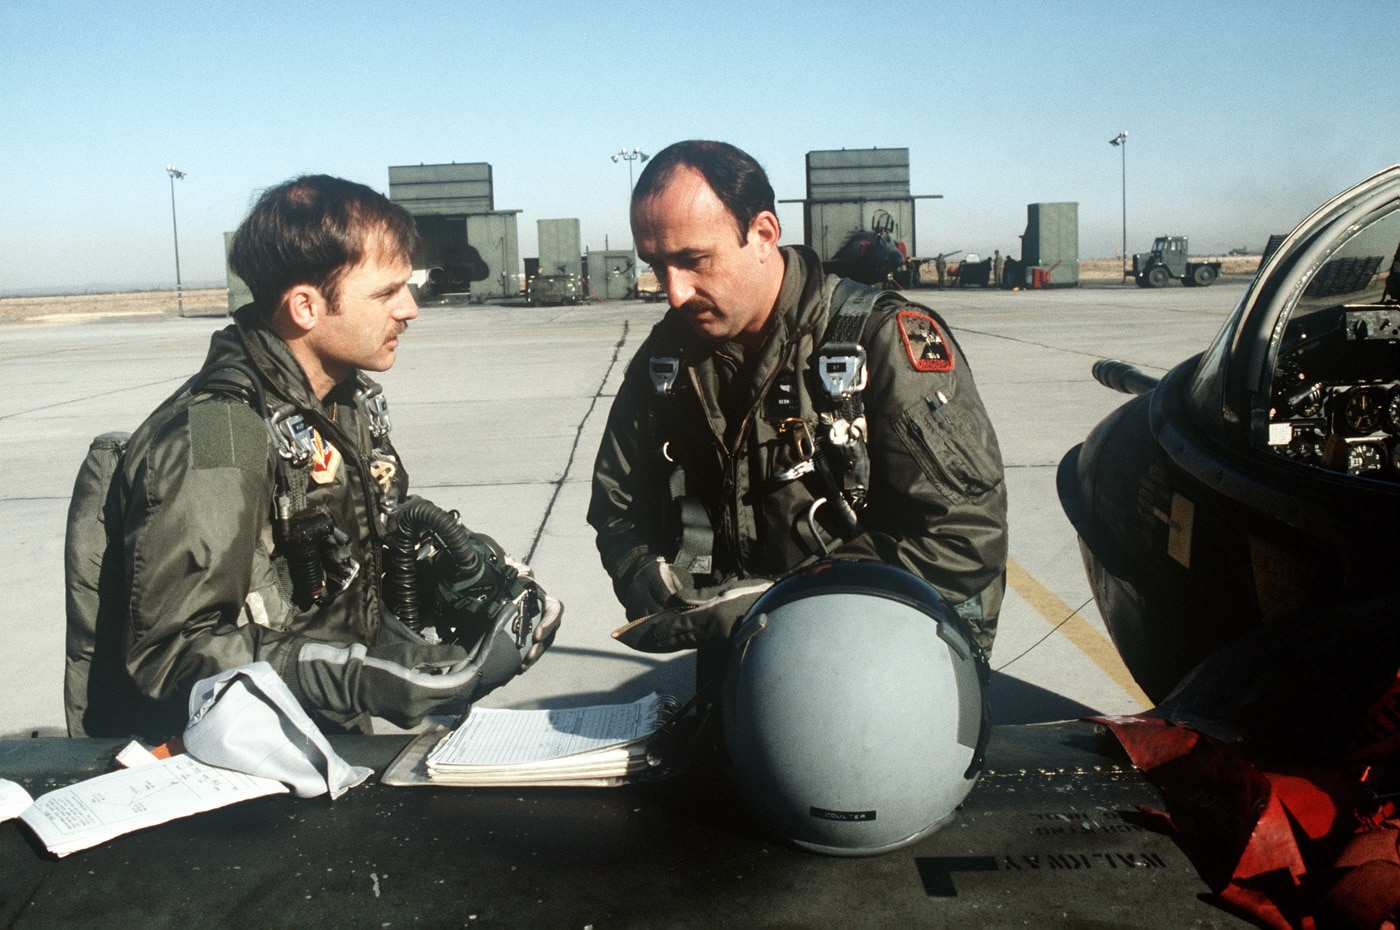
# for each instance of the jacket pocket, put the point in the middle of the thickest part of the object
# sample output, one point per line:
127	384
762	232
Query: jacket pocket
269	600
957	453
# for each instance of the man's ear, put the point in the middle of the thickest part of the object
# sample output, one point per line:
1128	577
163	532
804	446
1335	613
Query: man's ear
303	306
765	231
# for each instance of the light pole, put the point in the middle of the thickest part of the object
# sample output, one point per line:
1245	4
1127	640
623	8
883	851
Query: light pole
1120	142
629	157
176	174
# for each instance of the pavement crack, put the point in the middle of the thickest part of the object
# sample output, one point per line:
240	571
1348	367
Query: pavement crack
81	400
573	450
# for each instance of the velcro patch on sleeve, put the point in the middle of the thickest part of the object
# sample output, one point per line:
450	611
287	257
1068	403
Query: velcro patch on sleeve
924	341
227	435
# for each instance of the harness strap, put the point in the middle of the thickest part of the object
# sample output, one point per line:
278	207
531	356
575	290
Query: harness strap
851	305
695	553
841	358
840	460
695	537
294	465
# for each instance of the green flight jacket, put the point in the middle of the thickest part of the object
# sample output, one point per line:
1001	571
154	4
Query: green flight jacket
206	591
936	504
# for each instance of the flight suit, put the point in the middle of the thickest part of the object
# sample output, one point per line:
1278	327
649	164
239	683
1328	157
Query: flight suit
208	588
936	498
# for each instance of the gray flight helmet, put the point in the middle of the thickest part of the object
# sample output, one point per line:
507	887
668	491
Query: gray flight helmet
854	708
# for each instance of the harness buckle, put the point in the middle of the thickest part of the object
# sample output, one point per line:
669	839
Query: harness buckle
375	406
664	371
382	470
295	439
842	373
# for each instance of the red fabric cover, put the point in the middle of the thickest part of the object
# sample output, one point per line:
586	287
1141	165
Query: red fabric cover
1286	849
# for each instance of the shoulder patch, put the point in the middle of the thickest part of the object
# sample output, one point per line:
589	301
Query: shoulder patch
225	434
924	341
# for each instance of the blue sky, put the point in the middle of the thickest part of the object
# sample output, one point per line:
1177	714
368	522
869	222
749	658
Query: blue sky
1242	117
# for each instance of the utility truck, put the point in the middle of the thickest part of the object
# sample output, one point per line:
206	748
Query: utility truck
1168	259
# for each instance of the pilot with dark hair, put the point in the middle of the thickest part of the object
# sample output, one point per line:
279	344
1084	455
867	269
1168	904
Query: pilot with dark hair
257	501
727	460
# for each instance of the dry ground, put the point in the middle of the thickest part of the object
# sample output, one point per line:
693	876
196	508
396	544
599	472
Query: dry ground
1100	270
214	301
211	301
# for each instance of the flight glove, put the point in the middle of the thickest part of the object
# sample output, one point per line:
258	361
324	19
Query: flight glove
651	584
401	682
703	615
547	625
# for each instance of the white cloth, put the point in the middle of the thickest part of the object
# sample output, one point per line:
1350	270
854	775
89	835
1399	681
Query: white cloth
247	720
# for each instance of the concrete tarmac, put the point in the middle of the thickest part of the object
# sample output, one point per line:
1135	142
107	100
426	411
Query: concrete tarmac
497	411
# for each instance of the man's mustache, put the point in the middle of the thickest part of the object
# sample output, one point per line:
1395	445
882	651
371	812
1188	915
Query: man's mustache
697	305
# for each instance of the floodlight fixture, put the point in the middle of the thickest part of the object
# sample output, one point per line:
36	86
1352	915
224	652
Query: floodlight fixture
635	155
176	174
1120	142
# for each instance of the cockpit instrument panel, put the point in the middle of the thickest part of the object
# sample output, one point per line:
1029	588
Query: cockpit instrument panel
1334	401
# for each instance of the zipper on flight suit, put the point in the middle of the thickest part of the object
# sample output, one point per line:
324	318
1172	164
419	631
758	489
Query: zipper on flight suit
956	490
730	458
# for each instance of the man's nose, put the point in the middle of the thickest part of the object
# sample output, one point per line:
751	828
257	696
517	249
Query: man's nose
679	287
407	308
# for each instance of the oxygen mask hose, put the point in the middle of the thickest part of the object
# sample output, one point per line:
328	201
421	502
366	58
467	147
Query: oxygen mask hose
304	535
464	573
415	522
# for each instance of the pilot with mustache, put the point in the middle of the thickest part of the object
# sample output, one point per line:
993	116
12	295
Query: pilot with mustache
256	501
735	452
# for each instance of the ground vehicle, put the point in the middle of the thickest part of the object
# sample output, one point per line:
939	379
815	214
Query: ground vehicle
555	289
1168	259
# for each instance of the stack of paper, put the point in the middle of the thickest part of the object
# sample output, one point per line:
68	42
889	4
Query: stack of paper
599	745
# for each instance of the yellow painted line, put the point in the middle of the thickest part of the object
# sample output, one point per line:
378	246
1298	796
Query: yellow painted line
1076	629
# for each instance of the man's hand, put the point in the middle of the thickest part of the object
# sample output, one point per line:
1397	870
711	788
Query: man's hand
551	612
545	628
705	615
653	584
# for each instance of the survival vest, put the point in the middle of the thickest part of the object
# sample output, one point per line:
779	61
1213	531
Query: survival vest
833	447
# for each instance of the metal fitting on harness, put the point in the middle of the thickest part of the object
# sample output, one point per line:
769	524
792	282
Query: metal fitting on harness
375	406
295	438
664	371
795	429
803	448
842	373
843	431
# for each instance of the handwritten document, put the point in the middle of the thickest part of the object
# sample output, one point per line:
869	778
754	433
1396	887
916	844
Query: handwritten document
102	808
